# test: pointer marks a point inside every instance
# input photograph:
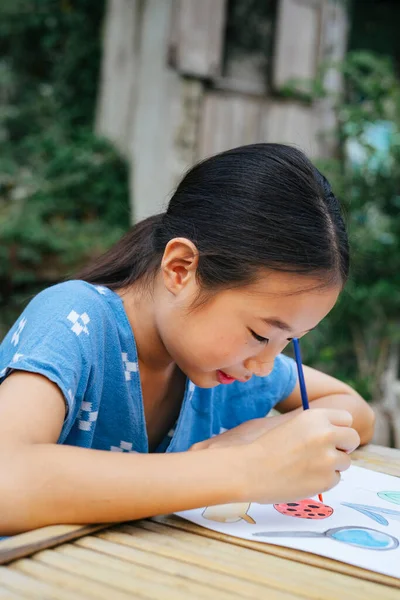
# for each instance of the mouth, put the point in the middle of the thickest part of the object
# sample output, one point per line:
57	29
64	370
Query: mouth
226	379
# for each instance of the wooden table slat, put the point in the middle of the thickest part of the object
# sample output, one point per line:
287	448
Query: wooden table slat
58	577
268	570
9	595
174	564
123	576
25	544
30	587
178	579
378	458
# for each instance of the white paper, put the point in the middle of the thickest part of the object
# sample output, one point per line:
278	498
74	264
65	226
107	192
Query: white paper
358	523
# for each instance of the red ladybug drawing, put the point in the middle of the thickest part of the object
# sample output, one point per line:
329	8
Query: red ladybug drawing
305	509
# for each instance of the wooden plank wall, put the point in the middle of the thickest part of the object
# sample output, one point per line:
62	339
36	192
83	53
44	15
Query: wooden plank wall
228	120
297	40
199	37
334	35
291	122
117	86
170	96
163	137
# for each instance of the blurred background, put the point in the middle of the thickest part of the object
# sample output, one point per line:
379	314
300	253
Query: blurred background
105	103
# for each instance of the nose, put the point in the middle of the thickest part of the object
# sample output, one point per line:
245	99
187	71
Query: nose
260	365
260	369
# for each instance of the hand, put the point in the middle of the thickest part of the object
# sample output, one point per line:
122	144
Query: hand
245	433
300	458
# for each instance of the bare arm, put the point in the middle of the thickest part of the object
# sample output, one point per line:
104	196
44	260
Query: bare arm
43	483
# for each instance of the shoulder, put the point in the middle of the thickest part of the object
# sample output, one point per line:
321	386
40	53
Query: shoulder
71	300
61	335
71	307
67	292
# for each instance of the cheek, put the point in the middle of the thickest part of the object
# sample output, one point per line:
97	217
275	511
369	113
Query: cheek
209	349
204	346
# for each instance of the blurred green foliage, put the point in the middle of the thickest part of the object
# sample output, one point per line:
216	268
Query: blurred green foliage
63	192
354	342
375	25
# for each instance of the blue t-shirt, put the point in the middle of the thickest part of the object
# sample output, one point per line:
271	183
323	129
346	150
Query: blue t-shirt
78	336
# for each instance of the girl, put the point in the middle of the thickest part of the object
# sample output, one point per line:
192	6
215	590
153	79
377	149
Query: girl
172	342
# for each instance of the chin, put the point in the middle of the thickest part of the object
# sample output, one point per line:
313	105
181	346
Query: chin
206	380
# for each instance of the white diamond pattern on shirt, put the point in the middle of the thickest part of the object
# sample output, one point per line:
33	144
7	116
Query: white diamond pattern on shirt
86	416
221	430
123	447
129	366
191	388
101	289
17	333
79	322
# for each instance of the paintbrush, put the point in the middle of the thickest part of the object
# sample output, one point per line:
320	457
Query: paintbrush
302	383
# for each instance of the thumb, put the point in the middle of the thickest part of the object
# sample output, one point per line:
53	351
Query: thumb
339	417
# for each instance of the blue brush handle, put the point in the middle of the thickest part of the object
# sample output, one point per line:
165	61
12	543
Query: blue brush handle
304	397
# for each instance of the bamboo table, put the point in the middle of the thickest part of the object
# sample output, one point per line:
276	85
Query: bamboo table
169	558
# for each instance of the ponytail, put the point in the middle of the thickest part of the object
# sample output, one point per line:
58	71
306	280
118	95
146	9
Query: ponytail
129	260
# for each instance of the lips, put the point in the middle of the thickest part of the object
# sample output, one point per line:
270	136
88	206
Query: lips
226	379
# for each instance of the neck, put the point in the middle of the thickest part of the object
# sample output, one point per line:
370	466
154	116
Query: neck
139	308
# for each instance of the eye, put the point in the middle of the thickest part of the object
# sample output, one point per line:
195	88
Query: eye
259	338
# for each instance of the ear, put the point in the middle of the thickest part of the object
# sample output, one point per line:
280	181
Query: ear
179	264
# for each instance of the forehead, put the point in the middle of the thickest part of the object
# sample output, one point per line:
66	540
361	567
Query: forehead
278	284
298	300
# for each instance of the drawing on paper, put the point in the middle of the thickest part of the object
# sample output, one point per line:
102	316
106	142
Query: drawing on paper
305	509
361	537
233	513
376	513
362	516
229	513
393	497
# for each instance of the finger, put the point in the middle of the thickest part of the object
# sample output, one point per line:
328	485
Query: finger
339	417
346	439
342	462
335	479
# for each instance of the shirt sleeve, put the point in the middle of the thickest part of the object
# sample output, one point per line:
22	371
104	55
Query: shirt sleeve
282	380
52	337
233	404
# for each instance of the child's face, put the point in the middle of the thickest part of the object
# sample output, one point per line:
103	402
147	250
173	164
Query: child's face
217	339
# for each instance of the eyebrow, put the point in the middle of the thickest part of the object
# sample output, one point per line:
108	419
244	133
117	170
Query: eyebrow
275	322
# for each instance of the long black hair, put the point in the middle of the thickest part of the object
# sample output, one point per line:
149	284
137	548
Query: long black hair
262	206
